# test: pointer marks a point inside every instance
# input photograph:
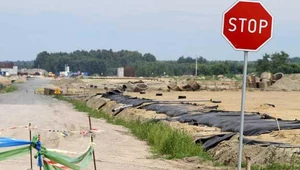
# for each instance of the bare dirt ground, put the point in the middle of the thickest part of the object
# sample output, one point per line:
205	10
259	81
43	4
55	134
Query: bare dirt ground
286	107
285	102
115	147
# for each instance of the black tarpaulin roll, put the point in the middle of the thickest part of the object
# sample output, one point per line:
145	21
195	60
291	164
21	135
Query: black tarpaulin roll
208	143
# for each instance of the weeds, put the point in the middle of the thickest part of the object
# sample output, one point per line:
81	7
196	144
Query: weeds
276	166
9	89
293	164
164	140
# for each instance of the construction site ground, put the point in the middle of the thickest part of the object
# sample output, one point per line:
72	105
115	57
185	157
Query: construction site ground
285	103
115	147
257	100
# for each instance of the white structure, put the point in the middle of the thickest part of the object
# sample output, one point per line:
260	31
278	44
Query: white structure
10	71
121	72
67	70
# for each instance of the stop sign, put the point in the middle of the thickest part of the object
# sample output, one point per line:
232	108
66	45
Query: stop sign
247	25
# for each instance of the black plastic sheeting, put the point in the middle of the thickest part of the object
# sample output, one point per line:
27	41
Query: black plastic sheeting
254	124
168	109
213	141
268	143
128	100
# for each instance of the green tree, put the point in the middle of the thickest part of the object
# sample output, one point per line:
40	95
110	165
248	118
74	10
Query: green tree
279	60
264	64
149	57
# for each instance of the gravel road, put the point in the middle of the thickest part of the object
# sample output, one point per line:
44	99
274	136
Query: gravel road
116	148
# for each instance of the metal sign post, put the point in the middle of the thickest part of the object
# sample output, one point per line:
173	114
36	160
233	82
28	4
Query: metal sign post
246	30
196	67
242	110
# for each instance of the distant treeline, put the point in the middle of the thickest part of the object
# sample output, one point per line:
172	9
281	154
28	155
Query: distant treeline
106	62
24	64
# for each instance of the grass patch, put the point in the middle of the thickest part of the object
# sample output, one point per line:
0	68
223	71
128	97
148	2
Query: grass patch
164	140
9	89
276	166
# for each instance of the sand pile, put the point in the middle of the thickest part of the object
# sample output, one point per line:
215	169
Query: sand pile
4	81
33	71
69	82
290	83
227	153
18	79
295	77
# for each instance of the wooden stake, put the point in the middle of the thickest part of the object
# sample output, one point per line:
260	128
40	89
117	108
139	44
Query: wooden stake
92	140
248	163
29	127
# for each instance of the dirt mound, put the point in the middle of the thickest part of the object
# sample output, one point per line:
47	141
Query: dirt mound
291	83
18	79
227	153
4	81
69	82
295	77
33	71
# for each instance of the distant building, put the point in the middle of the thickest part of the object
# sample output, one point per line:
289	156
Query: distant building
8	68
129	72
67	70
121	72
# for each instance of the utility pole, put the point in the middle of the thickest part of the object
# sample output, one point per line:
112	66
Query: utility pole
196	67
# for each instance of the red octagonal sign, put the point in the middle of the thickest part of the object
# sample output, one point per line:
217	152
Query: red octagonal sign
247	25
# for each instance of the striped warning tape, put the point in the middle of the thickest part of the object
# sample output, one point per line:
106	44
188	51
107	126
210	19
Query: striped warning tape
15	127
66	132
62	132
52	163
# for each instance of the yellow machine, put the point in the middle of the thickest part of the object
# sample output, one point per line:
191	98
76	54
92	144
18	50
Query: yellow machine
50	74
57	91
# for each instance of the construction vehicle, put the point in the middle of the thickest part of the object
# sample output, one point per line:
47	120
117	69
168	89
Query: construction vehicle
50	74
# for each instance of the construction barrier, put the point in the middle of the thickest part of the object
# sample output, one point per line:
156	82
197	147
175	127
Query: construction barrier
49	159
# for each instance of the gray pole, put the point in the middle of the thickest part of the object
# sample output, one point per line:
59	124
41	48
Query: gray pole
243	111
196	67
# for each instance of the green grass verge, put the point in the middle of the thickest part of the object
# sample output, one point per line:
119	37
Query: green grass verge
165	141
276	166
9	89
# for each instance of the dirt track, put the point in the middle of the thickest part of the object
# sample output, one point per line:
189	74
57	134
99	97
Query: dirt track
115	147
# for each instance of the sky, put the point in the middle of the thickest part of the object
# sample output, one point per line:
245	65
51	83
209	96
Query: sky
166	28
